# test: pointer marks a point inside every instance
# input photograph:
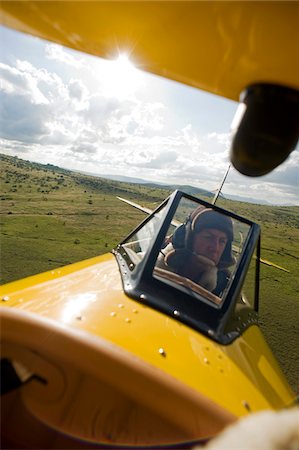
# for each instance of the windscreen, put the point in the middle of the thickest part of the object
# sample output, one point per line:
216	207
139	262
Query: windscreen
137	245
201	250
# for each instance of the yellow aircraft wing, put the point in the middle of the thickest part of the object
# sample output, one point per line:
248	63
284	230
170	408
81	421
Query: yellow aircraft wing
217	46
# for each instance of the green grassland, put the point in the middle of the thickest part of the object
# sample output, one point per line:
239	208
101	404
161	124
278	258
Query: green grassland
51	217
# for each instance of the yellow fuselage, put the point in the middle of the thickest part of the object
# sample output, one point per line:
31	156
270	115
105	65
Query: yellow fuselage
87	297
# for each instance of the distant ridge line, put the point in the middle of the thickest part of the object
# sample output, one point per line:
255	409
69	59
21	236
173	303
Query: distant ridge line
132	180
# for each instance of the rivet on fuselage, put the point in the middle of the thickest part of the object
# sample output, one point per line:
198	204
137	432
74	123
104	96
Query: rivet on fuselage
142	297
162	352
79	317
121	305
113	314
246	405
128	320
206	361
176	312
5	298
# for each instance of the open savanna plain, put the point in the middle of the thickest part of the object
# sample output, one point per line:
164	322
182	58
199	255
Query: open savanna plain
51	217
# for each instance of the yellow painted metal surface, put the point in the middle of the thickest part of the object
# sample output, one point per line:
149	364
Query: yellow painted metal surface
88	297
217	46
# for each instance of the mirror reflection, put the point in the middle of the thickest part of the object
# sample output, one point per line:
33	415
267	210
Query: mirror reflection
202	252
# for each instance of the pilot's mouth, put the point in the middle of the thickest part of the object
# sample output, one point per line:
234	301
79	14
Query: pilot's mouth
207	259
214	257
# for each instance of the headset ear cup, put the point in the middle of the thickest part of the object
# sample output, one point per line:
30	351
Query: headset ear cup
178	237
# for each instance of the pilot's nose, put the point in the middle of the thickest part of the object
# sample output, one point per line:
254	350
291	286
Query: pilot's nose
214	245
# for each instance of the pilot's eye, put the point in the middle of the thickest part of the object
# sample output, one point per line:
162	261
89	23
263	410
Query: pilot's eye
207	237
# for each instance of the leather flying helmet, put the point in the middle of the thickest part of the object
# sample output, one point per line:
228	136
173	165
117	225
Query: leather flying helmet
203	218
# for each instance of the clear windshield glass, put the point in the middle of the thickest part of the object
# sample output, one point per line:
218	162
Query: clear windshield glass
248	291
138	244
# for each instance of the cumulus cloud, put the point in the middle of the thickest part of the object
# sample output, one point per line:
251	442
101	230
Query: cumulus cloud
78	93
18	82
38	107
85	148
56	52
288	173
119	121
280	186
20	120
156	160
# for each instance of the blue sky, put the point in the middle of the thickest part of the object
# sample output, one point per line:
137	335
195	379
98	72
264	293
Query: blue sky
66	108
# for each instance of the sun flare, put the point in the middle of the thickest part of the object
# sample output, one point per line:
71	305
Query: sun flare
122	79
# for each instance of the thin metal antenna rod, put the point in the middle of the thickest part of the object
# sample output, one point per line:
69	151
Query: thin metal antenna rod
221	185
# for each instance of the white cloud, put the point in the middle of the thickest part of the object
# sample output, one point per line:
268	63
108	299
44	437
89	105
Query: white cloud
56	52
85	148
280	186
288	172
79	94
20	120
15	81
76	89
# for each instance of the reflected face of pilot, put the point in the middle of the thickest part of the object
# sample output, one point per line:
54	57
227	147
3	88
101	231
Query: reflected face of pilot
210	243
